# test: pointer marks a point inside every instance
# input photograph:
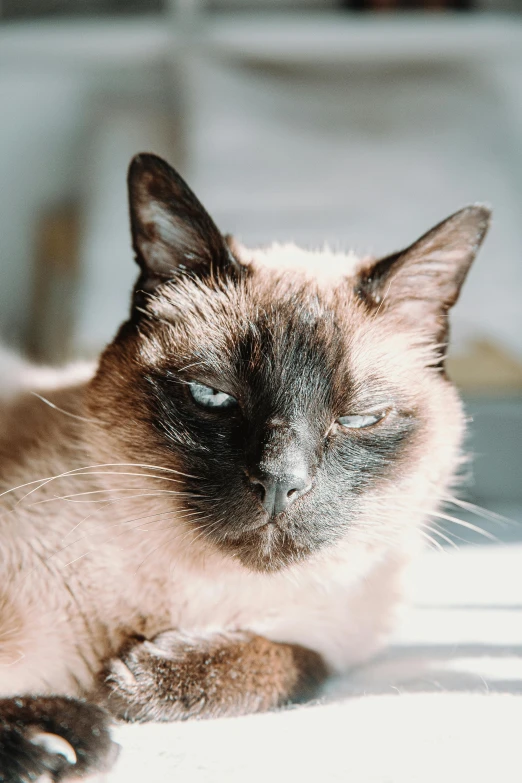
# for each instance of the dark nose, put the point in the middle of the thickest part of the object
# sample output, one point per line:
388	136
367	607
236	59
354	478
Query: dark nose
277	493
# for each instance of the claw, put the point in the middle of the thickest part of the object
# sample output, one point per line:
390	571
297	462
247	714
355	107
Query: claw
122	672
55	745
155	649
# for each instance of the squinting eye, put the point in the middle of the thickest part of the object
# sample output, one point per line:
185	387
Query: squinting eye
362	421
211	398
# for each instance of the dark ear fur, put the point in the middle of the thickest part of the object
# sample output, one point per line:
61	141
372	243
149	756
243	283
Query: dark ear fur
422	282
171	230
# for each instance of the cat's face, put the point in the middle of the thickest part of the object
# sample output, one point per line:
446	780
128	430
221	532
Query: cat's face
300	395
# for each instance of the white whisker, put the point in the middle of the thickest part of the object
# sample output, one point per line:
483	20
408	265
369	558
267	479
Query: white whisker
462	523
431	540
81	471
155	493
481	512
441	535
61	410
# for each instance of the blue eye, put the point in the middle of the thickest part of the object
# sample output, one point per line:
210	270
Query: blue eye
211	398
359	422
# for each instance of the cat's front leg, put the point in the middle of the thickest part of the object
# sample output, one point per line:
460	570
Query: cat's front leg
52	738
175	676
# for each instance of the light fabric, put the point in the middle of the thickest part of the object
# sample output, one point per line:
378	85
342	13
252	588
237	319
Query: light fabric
444	703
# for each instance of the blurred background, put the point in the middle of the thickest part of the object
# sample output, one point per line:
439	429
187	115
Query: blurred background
361	122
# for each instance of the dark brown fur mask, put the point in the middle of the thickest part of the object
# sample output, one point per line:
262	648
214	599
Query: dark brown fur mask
292	389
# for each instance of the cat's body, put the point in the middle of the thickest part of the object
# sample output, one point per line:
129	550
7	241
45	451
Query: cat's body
243	478
130	578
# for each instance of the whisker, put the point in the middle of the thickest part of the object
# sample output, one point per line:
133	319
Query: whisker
178	513
120	523
372	536
81	471
481	512
155	493
431	540
208	529
108	503
203	529
163	544
159	529
467	525
437	532
163	514
447	517
61	410
106	541
194	364
122	473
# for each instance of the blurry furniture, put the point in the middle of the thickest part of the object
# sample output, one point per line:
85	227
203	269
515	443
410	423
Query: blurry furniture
52	315
78	99
361	130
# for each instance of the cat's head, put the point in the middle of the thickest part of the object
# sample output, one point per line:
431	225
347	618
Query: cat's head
301	396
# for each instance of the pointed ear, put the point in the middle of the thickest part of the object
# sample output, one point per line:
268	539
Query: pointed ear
171	230
423	282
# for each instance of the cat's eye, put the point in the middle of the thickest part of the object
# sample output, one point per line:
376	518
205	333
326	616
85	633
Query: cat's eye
361	421
211	398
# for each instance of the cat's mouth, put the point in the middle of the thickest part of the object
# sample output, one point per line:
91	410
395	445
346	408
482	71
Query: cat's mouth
266	521
264	541
269	544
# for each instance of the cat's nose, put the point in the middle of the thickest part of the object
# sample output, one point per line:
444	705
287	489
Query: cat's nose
277	492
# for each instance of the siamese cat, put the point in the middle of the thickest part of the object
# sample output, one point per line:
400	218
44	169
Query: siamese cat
219	514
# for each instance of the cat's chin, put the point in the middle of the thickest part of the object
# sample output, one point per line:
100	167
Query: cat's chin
267	548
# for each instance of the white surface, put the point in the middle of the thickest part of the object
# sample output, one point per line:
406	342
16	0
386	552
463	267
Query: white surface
443	704
380	739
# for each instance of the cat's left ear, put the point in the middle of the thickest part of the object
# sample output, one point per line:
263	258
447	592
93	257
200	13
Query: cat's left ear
423	282
171	230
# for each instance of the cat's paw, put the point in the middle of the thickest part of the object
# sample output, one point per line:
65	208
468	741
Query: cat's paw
178	676
53	739
155	681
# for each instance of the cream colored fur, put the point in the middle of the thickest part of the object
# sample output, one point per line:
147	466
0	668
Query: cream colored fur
78	576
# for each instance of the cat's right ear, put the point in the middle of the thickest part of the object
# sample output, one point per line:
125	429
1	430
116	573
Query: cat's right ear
171	230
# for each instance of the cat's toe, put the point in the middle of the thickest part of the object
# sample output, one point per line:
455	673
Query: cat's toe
133	687
123	688
120	673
